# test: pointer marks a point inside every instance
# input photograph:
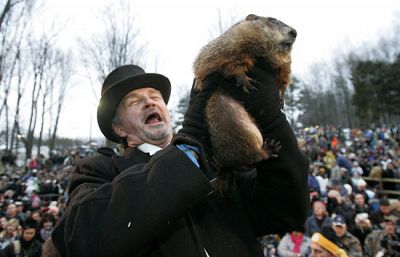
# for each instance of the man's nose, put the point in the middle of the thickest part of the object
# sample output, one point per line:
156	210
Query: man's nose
149	101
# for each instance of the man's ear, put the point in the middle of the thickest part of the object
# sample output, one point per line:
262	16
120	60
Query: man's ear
119	130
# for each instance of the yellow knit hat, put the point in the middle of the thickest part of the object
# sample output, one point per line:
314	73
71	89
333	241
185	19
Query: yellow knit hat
328	245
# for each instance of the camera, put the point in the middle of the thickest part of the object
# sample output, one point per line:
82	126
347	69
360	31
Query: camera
391	246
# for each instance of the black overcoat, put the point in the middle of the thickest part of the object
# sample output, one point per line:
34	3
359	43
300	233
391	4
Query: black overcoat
164	205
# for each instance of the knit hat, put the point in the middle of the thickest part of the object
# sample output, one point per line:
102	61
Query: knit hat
384	202
328	240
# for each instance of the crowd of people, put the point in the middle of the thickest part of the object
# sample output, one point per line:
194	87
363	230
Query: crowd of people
360	213
32	200
346	193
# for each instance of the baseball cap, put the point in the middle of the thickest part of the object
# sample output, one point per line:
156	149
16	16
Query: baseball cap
339	221
384	202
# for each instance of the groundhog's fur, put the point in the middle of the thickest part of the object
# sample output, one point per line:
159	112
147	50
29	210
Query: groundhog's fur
235	138
235	52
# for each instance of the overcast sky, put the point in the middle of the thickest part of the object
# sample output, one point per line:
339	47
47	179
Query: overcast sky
174	32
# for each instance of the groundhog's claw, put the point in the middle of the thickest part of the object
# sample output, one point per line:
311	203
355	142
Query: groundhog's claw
272	147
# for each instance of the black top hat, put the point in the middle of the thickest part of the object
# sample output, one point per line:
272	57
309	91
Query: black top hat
119	83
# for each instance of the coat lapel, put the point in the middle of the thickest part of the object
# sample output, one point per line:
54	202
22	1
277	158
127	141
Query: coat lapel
131	157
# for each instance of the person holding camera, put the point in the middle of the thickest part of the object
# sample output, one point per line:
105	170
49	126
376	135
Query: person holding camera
362	227
384	242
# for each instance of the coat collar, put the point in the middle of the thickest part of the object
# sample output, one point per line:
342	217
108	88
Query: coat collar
148	148
131	157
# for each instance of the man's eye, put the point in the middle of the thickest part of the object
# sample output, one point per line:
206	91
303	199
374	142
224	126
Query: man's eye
132	102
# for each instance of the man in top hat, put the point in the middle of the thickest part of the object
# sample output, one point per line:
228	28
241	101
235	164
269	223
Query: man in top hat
351	243
157	198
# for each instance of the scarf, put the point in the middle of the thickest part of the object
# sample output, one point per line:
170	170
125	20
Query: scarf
297	240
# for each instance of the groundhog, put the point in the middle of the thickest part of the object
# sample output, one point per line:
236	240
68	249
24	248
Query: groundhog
236	141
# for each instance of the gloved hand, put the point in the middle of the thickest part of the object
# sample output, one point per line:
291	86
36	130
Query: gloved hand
194	129
262	103
263	100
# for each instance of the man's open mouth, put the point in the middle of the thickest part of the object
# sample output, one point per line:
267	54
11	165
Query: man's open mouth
153	118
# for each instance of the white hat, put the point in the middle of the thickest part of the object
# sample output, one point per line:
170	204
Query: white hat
348	188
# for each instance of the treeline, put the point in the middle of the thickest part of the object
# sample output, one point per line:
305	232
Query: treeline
359	89
37	70
34	76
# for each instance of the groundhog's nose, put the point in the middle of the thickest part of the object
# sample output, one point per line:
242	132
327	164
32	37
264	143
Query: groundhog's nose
293	33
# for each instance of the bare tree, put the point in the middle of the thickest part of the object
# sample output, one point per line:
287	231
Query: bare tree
13	19
8	8
116	45
40	53
49	75
223	23
16	133
62	83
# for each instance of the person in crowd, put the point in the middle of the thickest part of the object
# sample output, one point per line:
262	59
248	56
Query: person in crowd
3	224
362	227
21	214
312	180
362	188
35	163
343	162
337	206
359	205
329	159
356	169
269	245
385	242
351	244
376	173
11	233
26	245
390	172
377	218
158	198
356	177
294	244
336	173
337	185
48	249
12	212
46	226
323	180
395	208
36	215
326	244
318	219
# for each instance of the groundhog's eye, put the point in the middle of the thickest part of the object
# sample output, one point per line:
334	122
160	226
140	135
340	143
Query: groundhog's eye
273	21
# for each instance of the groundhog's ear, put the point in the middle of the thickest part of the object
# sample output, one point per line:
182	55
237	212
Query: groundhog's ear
252	17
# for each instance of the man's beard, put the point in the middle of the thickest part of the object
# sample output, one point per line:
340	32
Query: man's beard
158	135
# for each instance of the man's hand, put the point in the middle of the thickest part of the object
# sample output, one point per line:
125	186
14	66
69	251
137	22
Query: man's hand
263	101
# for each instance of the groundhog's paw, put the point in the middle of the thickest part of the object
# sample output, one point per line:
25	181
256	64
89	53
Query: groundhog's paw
198	85
272	147
246	83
